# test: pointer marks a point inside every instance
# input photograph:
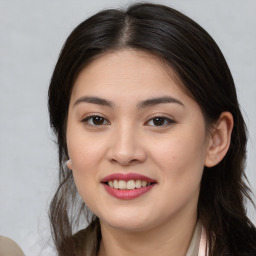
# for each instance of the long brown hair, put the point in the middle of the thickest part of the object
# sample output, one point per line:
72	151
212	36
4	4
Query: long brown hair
204	75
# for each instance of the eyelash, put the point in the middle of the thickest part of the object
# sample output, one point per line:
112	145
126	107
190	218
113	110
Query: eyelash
167	121
88	118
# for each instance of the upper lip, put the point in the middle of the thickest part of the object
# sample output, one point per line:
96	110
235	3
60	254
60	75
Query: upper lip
126	177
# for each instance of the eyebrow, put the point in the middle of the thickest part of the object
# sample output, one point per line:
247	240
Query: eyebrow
94	100
158	100
143	104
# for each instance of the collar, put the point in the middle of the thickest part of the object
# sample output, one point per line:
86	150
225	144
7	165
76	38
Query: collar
198	244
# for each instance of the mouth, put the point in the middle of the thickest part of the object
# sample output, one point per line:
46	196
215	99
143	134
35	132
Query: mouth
127	186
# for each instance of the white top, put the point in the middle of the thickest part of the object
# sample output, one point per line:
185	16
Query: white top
198	244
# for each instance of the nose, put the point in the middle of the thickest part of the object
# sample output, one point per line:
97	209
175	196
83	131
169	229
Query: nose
126	147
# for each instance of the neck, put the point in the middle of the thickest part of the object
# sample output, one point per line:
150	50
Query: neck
169	239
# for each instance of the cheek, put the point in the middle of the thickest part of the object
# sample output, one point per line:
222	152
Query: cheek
181	160
84	150
87	152
85	155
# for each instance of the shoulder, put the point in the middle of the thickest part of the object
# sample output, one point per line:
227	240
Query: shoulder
9	248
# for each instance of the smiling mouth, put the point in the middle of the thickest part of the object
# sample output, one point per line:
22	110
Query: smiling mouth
128	185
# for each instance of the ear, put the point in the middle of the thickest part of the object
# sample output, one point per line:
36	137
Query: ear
219	139
69	164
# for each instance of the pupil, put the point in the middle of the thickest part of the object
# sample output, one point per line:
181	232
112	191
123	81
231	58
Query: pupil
97	120
158	121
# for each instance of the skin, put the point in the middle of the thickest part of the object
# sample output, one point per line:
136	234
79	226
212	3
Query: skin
161	221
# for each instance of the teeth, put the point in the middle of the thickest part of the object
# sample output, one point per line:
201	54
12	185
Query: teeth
143	183
115	183
122	184
110	183
130	184
138	184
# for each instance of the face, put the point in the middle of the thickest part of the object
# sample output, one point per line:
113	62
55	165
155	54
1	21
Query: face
136	141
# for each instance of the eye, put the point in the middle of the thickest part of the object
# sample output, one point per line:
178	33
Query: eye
95	120
160	121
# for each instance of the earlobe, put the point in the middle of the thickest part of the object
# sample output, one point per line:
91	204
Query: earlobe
69	164
219	140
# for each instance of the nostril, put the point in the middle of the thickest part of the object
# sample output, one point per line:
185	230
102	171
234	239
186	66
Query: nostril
124	162
125	154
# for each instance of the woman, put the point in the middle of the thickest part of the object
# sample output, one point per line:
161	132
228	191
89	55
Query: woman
151	137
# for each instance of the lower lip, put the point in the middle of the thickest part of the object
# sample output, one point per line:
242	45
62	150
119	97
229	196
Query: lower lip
127	194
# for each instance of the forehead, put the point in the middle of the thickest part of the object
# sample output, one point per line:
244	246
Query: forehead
127	72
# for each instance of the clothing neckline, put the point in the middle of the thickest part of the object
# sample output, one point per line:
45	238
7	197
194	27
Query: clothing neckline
198	244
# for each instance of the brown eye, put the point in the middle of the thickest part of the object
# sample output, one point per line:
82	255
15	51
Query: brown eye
160	121
95	120
98	120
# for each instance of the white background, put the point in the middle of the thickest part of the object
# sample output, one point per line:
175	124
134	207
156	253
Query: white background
31	36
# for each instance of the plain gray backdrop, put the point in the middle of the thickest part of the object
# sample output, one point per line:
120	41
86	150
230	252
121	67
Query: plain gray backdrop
31	36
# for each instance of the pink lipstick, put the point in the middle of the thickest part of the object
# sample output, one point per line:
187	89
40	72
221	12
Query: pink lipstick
127	186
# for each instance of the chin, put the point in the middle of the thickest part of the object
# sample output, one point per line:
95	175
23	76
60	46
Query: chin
128	227
126	223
